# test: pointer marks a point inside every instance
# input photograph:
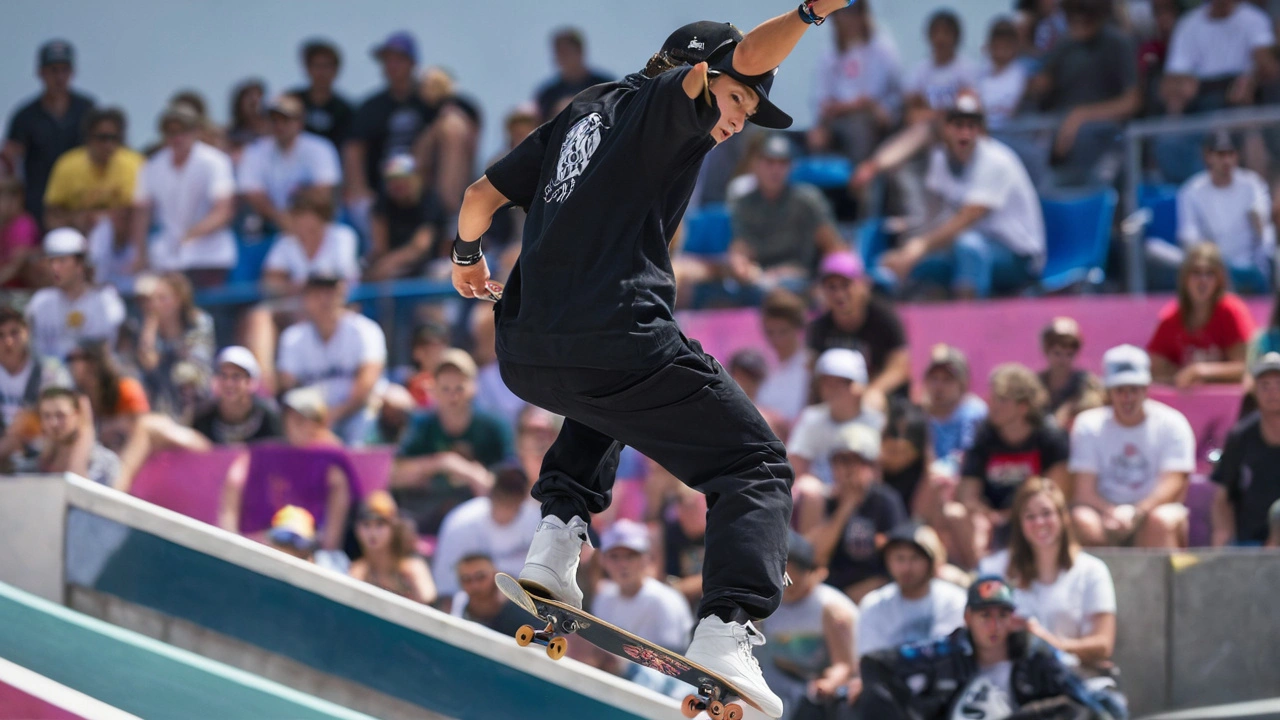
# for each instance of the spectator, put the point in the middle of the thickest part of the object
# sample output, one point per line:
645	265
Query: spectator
276	167
1071	389
905	455
337	350
842	378
73	309
748	368
293	532
23	375
96	180
387	558
859	86
248	121
235	415
405	224
857	320
385	125
443	456
187	190
175	346
1064	595
916	606
990	235
808	656
1092	78
683	542
937	81
1130	462
858	516
1016	442
479	599
48	126
536	431
1229	206
492	394
634	600
1201	337
1248	483
568	49
780	229
786	387
1218	55
500	526
1002	79
507	229
70	444
328	114
1153	52
430	341
955	414
19	239
446	151
118	400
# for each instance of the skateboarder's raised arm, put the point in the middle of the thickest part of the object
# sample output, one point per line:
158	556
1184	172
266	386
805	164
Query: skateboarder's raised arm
765	47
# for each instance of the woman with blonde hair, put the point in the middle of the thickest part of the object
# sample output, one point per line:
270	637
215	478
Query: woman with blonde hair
1203	336
1065	595
388	556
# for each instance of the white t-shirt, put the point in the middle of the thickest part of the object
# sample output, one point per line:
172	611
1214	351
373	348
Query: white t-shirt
995	179
470	528
1129	460
786	388
1210	49
180	197
939	84
58	323
658	613
1066	606
1221	215
1001	91
815	435
331	365
264	167
336	255
886	620
868	70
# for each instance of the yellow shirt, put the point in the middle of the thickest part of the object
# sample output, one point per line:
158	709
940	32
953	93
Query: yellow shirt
77	184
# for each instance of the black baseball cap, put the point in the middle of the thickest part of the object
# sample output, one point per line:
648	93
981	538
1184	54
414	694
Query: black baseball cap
910	533
1219	141
55	52
990	591
322	279
702	41
767	114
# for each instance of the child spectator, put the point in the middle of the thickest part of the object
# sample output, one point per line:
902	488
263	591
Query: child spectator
632	598
174	347
328	114
1246	473
406	221
479	599
842	378
1130	462
1201	337
916	606
273	169
70	443
19	238
1064	595
94	180
955	414
387	558
117	400
785	389
23	375
1003	78
1071	389
937	81
74	309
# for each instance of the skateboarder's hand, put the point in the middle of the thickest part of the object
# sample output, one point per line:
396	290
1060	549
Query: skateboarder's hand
469	280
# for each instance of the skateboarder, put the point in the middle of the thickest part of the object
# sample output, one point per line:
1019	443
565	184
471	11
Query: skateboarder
585	328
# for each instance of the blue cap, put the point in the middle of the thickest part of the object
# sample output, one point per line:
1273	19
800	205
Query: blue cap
401	42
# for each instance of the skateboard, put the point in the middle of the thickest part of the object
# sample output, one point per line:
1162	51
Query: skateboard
714	693
494	290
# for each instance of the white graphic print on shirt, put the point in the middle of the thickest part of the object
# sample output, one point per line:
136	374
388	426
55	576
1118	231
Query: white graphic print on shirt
579	145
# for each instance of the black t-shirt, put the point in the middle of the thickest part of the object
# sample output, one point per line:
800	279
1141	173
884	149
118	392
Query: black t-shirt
1249	470
404	221
331	120
508	620
557	89
880	335
1002	467
1090	71
388	126
684	555
44	138
1074	388
605	184
856	557
263	423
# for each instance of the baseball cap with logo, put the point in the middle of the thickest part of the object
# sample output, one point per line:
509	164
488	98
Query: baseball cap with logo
990	591
627	534
858	439
242	358
702	41
1270	362
65	241
56	52
842	363
1126	365
767	115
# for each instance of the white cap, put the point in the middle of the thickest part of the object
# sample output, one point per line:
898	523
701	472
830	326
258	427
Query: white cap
242	358
65	241
1126	365
859	439
307	402
627	534
842	363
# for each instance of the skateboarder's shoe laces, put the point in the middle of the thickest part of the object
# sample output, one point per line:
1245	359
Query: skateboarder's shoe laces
748	638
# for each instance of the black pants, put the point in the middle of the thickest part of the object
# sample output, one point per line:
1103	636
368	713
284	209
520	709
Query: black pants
692	418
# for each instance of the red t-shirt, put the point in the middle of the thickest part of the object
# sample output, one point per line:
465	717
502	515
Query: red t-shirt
1230	324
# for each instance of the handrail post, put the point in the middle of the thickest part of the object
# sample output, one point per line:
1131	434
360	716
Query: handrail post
1137	261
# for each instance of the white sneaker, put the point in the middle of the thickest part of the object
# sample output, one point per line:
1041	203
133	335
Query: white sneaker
552	563
725	649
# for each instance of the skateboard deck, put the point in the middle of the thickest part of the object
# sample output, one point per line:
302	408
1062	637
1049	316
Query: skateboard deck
715	694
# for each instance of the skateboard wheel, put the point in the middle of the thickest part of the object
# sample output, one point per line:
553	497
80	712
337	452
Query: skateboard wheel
691	706
524	635
733	711
556	648
716	710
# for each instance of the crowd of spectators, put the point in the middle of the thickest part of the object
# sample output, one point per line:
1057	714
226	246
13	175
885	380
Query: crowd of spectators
905	487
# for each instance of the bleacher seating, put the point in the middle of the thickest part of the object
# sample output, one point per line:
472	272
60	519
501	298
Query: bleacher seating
1162	201
708	232
825	171
1078	235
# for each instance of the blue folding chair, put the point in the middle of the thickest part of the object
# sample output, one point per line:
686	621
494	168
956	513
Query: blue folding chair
708	232
1078	235
825	171
1162	201
252	254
